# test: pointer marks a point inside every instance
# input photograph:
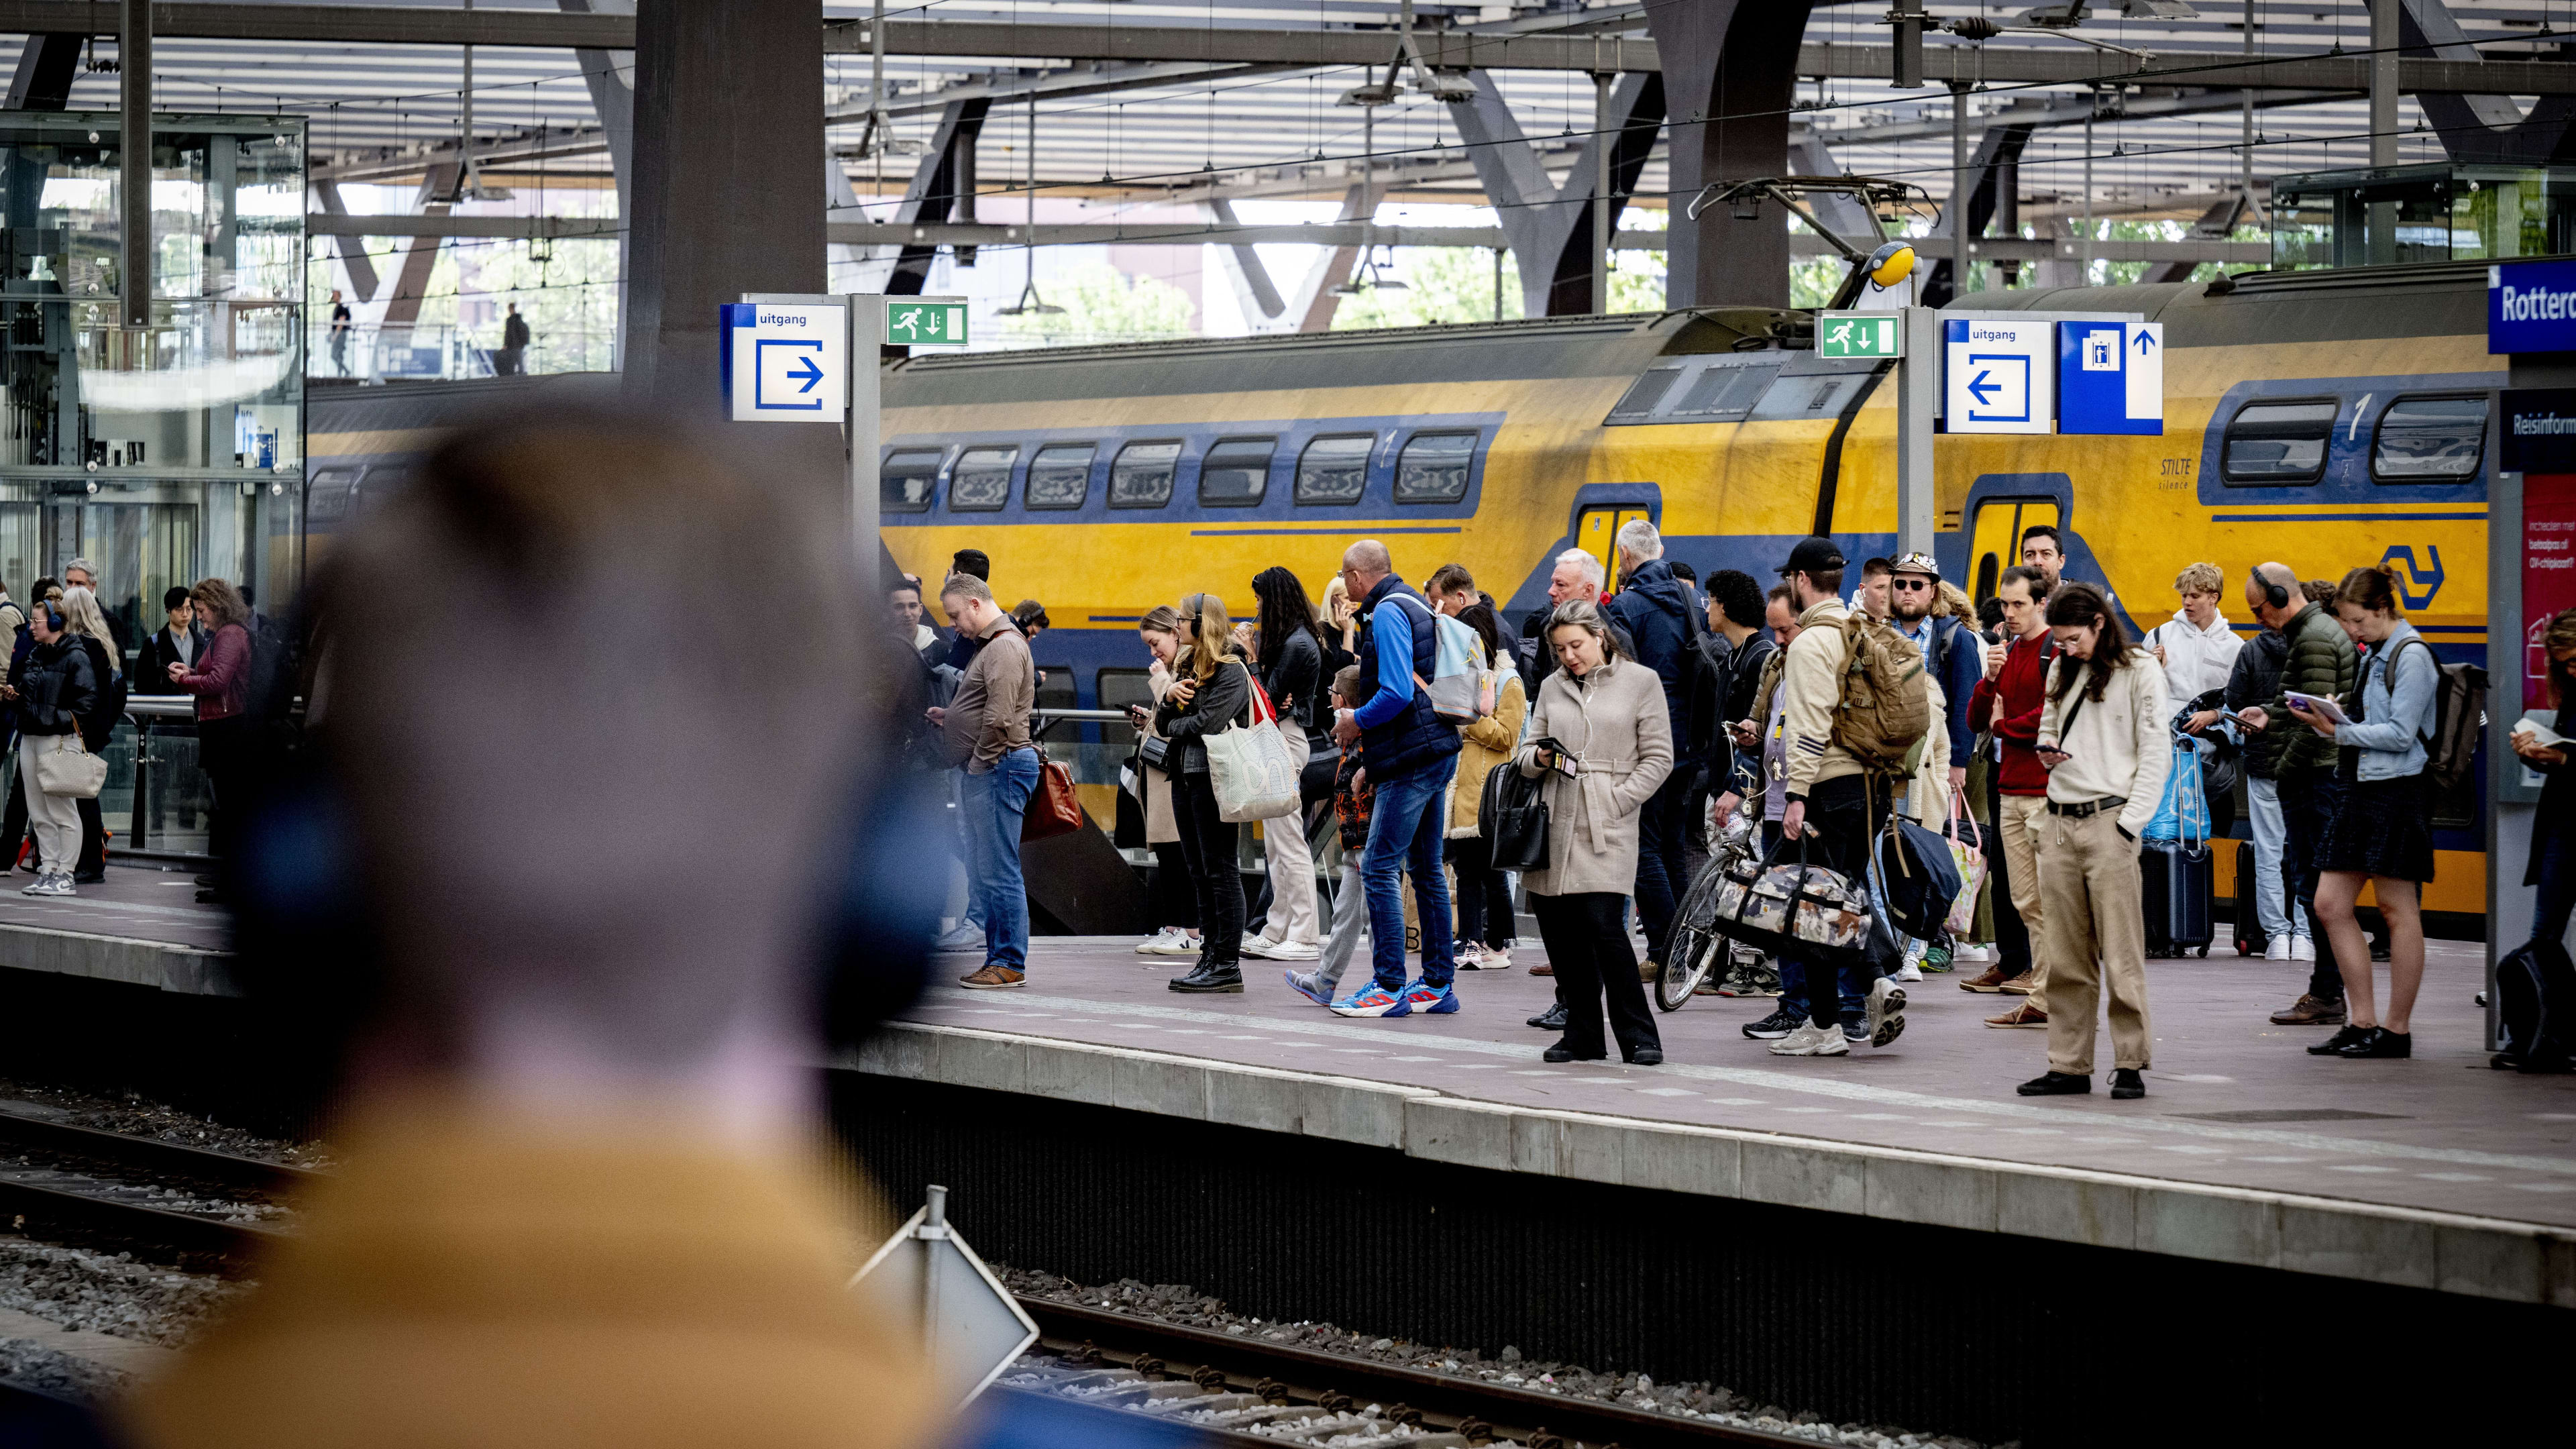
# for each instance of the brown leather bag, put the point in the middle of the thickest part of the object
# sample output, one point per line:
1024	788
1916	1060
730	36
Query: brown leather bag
1053	808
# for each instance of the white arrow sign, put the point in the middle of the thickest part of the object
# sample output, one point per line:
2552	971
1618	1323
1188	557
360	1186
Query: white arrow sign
971	1327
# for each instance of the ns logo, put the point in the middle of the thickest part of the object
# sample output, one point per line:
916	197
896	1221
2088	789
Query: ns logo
2416	584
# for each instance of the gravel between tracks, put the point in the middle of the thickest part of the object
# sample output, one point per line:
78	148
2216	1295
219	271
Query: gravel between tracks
1181	1304
134	1116
109	1292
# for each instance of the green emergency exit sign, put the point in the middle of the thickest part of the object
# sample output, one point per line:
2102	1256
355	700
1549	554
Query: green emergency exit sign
1869	335
938	322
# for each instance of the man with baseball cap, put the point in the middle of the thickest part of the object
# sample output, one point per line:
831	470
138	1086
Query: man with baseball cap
1951	657
1832	807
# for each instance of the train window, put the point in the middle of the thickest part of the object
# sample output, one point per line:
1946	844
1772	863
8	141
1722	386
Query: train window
1236	472
1725	392
1645	392
332	496
2279	442
1335	469
1142	476
908	478
982	479
1060	476
2430	440
1433	467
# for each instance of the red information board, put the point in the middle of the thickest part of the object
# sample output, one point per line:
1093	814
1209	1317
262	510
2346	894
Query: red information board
2548	570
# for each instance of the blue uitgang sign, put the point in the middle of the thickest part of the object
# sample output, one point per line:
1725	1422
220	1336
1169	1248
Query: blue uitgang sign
2531	306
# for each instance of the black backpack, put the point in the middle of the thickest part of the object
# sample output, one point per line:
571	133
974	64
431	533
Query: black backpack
270	693
1708	677
2536	1007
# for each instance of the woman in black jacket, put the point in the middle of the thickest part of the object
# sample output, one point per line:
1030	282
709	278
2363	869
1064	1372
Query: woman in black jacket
2553	825
57	688
1213	695
1291	659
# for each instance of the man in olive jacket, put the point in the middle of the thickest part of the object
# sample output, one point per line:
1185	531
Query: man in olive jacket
2320	662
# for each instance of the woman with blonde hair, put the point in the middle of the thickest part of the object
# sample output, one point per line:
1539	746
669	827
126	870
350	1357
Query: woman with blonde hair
87	624
1212	695
1601	740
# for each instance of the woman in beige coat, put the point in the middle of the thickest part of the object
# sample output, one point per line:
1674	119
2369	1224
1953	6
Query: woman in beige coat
1602	740
1484	900
1175	904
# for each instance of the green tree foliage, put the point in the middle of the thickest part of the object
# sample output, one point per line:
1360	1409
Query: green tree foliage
1456	284
1103	304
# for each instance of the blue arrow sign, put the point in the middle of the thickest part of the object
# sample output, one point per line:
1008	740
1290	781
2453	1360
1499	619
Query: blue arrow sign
807	371
2110	378
1985	387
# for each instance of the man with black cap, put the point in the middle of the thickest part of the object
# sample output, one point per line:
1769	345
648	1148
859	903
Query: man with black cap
1952	658
1833	807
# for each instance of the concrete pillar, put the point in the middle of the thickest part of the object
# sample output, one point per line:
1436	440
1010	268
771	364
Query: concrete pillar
728	141
1730	73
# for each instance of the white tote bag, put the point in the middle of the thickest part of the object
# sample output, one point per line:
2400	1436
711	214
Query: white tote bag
1248	766
64	767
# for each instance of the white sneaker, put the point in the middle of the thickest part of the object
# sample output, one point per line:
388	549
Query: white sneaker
1256	946
2302	949
1971	955
1886	1019
1180	943
1162	937
1494	958
1811	1040
1908	972
1291	951
964	936
2278	949
51	883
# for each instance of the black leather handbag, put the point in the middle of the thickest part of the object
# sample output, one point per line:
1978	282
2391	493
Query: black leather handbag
1512	816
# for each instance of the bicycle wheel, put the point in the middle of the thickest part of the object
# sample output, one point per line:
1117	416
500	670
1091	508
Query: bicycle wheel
1694	949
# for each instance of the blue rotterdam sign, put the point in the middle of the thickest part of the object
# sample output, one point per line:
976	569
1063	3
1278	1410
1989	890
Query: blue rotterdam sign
2531	306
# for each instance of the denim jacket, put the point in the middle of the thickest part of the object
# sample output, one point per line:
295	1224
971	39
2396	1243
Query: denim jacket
2395	715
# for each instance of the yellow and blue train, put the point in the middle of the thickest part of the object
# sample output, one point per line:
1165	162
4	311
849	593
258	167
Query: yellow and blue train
2324	419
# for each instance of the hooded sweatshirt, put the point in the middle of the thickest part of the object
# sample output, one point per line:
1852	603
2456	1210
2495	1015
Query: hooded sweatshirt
2196	660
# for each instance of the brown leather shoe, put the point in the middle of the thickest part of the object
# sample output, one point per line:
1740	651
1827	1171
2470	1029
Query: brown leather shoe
2020	985
993	978
2310	1011
2024	1014
1989	981
1541	968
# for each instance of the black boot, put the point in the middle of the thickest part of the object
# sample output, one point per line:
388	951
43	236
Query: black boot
1552	1019
2056	1084
1211	976
2126	1084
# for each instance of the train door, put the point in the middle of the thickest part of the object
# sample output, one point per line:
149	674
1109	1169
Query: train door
1994	544
1596	529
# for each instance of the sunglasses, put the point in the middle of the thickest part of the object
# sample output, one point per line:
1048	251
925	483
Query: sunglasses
1910	585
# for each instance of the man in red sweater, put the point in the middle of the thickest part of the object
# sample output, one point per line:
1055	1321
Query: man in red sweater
2007	703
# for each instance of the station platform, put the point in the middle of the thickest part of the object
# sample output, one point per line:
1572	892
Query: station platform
2433	1173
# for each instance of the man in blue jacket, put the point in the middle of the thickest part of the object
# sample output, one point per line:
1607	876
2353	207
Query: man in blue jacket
1412	754
1955	657
1664	619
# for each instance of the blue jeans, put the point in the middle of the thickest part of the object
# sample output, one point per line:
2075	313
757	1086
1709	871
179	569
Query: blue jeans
993	803
1406	826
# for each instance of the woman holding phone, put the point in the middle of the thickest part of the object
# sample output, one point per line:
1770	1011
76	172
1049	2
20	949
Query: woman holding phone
1175	898
2383	833
1601	738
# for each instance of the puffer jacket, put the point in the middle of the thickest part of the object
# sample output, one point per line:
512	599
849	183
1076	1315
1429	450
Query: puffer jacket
1614	725
2321	661
1662	618
2254	679
1218	705
1483	745
58	688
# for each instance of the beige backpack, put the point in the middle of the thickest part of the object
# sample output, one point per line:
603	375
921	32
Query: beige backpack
1884	711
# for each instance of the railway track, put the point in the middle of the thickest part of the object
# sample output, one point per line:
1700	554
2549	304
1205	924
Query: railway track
184	1204
159	1200
1239	1390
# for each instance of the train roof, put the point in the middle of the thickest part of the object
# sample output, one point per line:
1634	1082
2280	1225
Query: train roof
332	407
2430	299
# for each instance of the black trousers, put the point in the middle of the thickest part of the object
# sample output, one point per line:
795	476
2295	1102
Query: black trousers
1845	814
93	846
1484	897
1176	900
1587	942
228	751
13	827
1663	865
2012	933
1210	847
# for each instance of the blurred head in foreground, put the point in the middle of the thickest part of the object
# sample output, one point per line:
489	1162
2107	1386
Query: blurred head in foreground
574	881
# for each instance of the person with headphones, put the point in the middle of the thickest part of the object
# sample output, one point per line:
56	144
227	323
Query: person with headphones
2318	659
1212	695
58	689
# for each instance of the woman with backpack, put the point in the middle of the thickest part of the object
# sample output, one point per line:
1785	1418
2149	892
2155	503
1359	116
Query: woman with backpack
1602	740
2383	832
1212	695
87	624
1484	900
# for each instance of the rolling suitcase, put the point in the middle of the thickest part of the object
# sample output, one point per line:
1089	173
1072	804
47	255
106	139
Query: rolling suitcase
2175	883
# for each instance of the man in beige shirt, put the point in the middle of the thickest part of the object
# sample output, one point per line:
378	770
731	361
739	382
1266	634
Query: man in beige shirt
986	730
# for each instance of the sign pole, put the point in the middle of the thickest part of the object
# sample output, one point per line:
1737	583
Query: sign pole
1918	392
867	324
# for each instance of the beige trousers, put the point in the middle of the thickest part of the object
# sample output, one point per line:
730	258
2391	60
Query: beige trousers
2097	933
1292	915
2024	816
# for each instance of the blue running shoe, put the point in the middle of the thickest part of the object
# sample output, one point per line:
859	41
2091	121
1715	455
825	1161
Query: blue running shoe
1372	1000
1423	997
1303	983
